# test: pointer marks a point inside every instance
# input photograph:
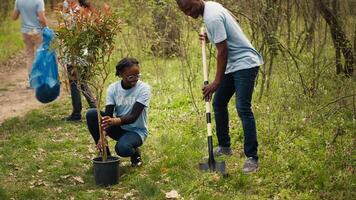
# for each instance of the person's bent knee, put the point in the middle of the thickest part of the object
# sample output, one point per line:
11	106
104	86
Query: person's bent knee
123	150
91	114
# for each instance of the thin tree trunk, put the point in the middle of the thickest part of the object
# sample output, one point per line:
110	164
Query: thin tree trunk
338	35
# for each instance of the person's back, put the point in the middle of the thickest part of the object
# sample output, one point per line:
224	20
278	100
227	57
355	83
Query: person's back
32	22
29	10
221	25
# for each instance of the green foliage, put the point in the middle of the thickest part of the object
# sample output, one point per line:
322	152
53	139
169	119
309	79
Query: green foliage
86	40
305	132
4	10
10	39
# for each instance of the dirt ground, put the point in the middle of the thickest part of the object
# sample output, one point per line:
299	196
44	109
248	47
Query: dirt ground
16	99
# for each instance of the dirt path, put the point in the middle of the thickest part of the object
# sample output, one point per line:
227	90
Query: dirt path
15	98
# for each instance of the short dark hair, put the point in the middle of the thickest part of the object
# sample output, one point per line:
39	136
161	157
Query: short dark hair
181	2
84	3
124	63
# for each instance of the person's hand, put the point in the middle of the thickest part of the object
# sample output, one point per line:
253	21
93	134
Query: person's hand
108	121
99	146
209	89
203	37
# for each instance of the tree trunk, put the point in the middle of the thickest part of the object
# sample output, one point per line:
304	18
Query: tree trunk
338	35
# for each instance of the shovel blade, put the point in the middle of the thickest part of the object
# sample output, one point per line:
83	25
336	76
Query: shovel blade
215	166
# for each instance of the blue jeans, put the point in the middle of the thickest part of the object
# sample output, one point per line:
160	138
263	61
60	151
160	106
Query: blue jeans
242	83
127	142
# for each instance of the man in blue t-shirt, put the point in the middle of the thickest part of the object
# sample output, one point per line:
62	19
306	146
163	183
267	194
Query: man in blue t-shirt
237	67
33	20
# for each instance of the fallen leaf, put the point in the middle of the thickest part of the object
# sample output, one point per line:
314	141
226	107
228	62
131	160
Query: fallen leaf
40	171
78	179
65	176
37	183
128	195
173	194
216	177
59	140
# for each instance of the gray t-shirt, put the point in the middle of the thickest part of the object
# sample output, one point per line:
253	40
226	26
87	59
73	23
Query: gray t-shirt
124	101
28	11
222	26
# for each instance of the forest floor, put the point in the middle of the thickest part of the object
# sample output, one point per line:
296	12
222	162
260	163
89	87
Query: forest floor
306	145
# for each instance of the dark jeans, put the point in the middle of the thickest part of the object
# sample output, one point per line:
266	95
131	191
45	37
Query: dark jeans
75	94
242	83
127	142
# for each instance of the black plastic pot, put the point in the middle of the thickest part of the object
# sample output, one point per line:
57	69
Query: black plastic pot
106	173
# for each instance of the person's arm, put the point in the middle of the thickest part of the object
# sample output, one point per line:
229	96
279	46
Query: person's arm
221	66
42	18
109	110
15	14
130	118
134	114
41	14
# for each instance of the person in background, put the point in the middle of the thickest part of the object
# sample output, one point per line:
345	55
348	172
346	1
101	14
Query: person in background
33	20
237	67
125	117
70	9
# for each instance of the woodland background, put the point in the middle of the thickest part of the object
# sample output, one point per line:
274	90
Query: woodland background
304	103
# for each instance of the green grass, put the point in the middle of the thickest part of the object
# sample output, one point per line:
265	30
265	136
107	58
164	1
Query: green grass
10	39
40	154
299	158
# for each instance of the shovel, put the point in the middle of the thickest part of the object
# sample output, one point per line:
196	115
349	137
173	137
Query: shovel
211	165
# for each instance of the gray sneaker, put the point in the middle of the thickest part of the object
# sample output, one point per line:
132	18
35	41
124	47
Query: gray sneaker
219	151
251	165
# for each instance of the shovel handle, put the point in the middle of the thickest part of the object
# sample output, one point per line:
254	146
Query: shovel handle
206	82
205	68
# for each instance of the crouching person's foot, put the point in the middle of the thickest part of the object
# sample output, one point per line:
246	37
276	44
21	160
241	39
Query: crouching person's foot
251	165
219	151
136	159
73	118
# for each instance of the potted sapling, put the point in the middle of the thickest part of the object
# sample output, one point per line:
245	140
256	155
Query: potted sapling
86	40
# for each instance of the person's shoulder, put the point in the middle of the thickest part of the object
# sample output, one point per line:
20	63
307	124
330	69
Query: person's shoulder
213	5
114	85
213	10
144	86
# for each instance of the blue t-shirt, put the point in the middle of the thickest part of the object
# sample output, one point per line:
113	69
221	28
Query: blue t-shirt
222	26
124	100
28	11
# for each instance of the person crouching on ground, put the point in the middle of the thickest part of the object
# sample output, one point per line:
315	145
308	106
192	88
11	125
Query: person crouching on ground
125	117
